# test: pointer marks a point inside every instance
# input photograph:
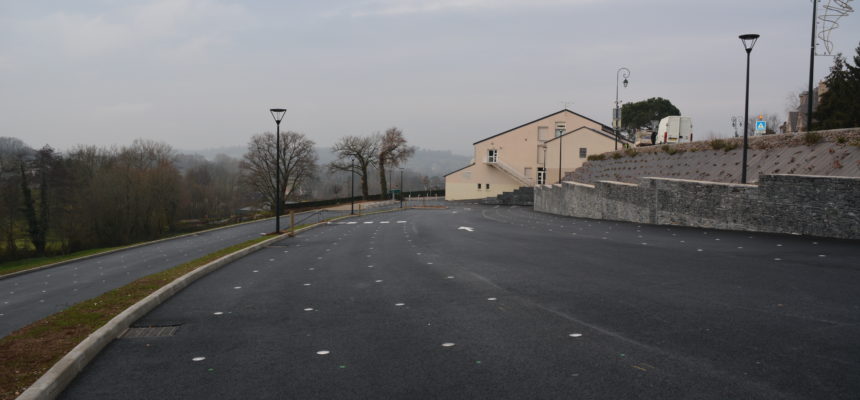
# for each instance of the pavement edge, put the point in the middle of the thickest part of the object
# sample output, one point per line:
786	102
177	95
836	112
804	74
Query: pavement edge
55	380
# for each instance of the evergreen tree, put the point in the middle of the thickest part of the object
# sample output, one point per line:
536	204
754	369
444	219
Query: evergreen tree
641	113
840	104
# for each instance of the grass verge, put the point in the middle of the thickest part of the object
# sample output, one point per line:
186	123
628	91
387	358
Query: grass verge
30	351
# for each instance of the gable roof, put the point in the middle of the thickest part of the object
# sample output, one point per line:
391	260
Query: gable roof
458	170
603	127
610	135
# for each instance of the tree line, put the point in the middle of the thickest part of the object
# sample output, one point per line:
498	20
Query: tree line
93	197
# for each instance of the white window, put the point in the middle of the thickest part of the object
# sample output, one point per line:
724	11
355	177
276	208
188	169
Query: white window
541	176
559	129
543	133
492	156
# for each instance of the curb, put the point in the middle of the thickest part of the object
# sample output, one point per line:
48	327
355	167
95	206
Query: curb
64	371
55	380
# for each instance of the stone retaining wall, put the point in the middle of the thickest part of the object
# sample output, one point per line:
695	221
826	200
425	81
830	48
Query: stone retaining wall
798	204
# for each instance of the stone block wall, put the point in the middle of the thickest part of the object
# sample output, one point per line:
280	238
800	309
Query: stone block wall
800	204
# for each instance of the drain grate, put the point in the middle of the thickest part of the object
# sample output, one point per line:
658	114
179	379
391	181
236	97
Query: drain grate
150	331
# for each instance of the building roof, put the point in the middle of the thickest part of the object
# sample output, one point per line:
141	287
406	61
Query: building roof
458	170
608	135
603	127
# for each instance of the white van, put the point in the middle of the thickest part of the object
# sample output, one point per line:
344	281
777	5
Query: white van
675	129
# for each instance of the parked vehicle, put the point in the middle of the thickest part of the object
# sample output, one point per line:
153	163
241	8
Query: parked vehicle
674	129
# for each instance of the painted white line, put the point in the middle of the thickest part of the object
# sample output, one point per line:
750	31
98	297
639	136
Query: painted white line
383	222
368	222
401	222
237	287
466	228
491	298
575	335
449	344
195	359
309	309
218	313
399	304
323	352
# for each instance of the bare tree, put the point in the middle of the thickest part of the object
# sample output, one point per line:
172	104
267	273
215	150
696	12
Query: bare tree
363	150
298	164
393	151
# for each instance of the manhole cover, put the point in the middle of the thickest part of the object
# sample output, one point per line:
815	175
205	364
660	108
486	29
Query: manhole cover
150	331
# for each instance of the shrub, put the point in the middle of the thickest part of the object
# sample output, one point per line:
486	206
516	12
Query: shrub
665	147
631	152
596	157
616	155
811	138
730	146
717	144
841	139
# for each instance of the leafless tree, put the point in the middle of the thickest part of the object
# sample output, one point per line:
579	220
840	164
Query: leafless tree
298	164
362	149
393	151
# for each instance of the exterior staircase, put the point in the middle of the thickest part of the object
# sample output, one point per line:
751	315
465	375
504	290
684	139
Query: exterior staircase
510	171
524	196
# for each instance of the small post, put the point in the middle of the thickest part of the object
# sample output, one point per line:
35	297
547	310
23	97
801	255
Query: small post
359	209
292	223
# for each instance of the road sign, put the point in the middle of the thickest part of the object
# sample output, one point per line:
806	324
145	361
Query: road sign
761	127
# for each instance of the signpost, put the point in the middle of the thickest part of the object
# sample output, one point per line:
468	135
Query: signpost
760	127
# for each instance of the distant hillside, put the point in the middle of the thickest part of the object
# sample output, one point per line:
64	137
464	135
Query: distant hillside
836	154
425	162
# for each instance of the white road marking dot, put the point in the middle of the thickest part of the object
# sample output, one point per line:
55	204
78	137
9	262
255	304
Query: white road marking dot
309	309
255	271
323	352
450	277
429	263
271	259
400	304
778	245
575	335
218	313
822	255
777	259
448	344
491	298
740	247
306	284
237	287
379	281
198	359
699	250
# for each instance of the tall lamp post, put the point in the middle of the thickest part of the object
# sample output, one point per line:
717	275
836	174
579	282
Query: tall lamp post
748	41
401	187
278	115
616	119
352	188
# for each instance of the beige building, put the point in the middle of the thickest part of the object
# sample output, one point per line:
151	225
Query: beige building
534	153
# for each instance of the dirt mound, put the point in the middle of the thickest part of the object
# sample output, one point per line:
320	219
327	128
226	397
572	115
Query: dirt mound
827	153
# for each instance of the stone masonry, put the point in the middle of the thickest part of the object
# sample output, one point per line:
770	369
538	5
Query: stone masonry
796	204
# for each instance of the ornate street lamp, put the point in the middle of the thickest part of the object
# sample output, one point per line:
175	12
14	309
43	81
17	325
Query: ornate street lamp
616	119
748	41
278	115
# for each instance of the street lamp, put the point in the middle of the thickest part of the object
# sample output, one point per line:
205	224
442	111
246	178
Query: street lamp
352	188
278	115
616	120
401	187
748	41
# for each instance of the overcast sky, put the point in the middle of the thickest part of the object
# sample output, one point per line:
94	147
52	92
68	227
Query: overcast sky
203	73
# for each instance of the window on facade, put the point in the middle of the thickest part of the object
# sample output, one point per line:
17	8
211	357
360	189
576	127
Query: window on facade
583	152
543	133
559	129
488	186
492	155
541	178
479	186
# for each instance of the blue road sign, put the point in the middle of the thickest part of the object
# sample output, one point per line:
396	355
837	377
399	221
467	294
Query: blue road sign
761	126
